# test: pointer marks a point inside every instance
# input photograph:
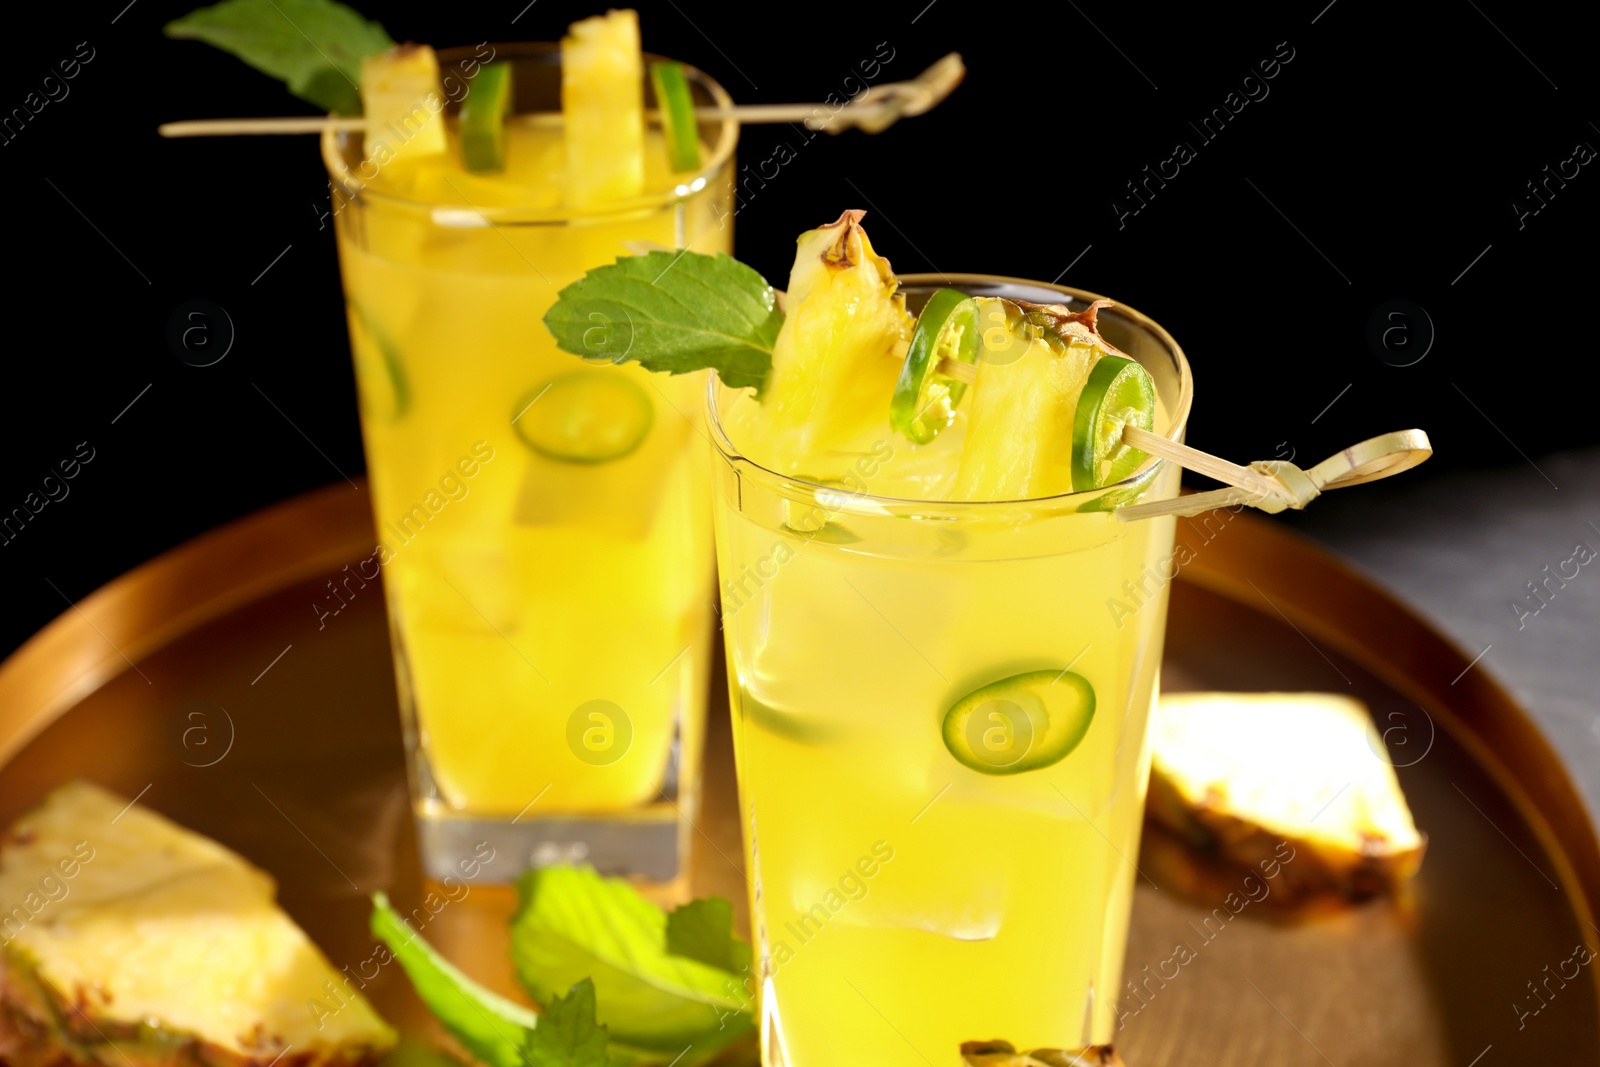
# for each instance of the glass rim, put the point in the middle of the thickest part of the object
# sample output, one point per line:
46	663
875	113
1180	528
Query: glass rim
690	185
851	500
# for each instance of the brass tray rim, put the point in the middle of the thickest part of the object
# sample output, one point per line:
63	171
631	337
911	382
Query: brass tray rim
1482	713
160	600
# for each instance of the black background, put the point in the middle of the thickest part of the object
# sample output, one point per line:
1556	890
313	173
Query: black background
1382	165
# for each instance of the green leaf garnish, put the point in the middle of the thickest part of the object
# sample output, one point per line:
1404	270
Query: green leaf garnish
314	46
492	1028
572	924
672	311
567	1035
703	930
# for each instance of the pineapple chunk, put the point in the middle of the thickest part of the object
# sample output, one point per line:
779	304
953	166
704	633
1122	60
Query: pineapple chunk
838	354
131	942
404	110
1031	371
1245	774
602	100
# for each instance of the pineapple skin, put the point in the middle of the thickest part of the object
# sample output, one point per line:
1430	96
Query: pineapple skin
153	946
38	1029
1317	866
1003	1054
1314	869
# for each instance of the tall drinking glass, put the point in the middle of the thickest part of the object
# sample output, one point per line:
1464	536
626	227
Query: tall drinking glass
543	522
904	900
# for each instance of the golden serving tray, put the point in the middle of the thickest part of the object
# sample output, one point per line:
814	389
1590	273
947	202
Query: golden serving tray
202	683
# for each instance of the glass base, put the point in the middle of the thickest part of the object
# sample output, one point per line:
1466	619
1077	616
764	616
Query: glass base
642	844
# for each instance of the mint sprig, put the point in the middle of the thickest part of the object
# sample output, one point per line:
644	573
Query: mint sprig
496	1031
676	312
567	1035
313	46
572	924
621	981
703	930
492	1028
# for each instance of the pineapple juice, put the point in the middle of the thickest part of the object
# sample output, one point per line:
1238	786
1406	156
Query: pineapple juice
902	901
549	612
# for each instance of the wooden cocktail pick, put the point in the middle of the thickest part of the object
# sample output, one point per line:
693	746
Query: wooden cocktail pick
874	110
1273	485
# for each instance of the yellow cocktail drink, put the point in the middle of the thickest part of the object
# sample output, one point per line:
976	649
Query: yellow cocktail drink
927	868
543	521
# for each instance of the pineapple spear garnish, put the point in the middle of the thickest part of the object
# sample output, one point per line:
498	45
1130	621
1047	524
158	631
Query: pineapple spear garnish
1036	401
840	348
602	100
823	366
1035	362
132	942
404	108
330	55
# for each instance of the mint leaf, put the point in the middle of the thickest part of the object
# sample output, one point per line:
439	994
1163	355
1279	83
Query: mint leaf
703	930
490	1027
567	1035
314	46
672	311
572	924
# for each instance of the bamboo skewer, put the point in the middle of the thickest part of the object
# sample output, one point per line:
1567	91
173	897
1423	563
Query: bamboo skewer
1287	486
1200	462
257	127
1271	485
874	110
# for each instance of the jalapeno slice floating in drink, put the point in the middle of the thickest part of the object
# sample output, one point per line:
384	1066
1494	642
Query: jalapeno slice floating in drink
925	400
676	104
588	416
483	119
1020	723
1118	393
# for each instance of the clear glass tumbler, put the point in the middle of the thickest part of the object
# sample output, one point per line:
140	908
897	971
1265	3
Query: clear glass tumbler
904	900
550	614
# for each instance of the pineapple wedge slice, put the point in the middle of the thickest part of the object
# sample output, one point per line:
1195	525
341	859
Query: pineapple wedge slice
1031	370
132	942
400	99
839	351
1244	774
602	101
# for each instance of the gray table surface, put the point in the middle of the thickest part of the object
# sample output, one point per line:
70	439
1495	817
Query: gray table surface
1461	548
